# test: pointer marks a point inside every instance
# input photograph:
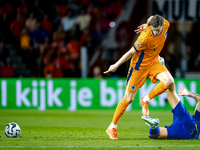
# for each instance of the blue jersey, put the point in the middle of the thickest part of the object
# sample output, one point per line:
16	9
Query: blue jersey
184	125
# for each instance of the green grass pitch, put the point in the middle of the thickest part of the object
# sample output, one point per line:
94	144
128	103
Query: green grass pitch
85	129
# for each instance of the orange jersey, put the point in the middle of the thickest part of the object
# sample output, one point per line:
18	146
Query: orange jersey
148	47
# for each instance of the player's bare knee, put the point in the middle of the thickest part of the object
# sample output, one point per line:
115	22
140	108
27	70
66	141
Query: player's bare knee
169	81
172	88
129	97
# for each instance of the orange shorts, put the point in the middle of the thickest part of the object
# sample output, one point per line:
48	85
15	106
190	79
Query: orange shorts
137	78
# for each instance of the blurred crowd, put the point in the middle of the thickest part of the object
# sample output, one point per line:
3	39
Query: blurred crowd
48	34
172	52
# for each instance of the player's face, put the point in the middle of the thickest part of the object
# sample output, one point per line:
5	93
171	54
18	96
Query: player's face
157	30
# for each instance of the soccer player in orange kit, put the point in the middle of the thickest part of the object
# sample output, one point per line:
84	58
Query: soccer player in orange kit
144	63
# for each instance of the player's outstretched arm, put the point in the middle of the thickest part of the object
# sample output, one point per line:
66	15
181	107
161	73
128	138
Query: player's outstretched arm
185	92
123	59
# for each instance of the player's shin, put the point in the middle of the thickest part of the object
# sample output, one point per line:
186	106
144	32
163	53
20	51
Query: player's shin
158	89
121	108
112	129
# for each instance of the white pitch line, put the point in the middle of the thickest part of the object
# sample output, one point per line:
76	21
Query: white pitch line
97	146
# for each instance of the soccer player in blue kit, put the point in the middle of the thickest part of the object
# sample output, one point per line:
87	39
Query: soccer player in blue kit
184	126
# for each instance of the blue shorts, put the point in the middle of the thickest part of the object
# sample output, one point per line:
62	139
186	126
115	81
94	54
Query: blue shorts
183	126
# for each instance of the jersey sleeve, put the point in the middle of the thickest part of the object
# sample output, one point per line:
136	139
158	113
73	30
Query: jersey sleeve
140	44
166	24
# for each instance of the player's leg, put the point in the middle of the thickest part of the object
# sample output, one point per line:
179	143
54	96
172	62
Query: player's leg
172	96
161	133
155	131
159	72
121	108
180	114
158	133
135	80
166	81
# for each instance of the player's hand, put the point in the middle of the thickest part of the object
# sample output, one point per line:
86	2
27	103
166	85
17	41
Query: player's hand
112	68
140	28
183	91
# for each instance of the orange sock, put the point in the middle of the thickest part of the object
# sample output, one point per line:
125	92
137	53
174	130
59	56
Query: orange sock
158	89
121	108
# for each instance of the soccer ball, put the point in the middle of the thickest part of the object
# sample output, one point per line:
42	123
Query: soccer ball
12	130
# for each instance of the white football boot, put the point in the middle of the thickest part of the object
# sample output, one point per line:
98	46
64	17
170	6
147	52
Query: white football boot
152	123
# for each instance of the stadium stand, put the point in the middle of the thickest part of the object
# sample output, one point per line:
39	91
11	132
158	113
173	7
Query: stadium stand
43	38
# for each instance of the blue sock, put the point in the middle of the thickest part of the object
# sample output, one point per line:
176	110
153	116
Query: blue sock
154	132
